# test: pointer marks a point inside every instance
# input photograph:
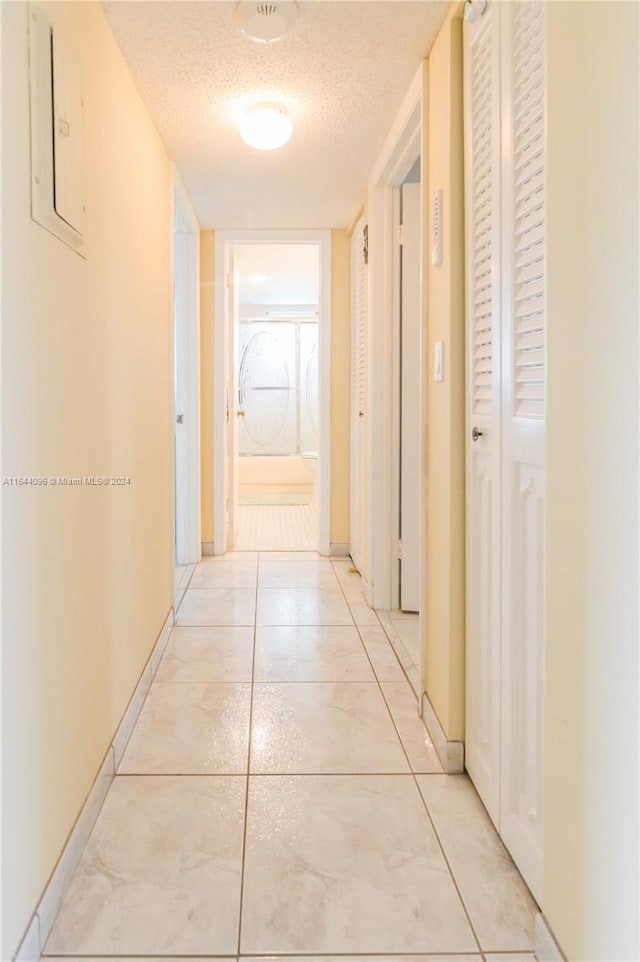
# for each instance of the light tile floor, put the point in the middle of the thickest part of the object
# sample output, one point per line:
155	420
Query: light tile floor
279	796
277	527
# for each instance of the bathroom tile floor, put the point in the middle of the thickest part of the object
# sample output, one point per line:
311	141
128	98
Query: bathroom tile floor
279	796
277	527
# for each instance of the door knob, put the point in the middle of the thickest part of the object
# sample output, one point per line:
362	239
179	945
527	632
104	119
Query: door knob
360	414
180	418
240	413
475	434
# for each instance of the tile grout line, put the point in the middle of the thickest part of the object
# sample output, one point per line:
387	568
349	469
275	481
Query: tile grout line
250	732
421	796
379	683
426	956
330	774
448	864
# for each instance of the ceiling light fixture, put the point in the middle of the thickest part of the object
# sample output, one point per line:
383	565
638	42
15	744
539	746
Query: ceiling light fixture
266	22
266	127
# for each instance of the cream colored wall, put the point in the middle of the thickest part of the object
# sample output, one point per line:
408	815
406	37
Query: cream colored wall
443	678
86	390
340	384
591	661
207	302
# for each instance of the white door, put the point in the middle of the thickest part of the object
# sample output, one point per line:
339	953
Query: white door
358	498
411	260
179	398
185	389
523	432
482	217
505	209
233	410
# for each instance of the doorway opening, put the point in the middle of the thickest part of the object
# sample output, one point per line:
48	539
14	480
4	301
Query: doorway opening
402	621
186	400
276	378
272	419
396	318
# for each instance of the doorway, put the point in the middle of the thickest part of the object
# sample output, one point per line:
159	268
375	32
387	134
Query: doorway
185	389
272	399
397	366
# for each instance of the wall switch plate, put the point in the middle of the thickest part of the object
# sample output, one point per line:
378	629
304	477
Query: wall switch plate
438	361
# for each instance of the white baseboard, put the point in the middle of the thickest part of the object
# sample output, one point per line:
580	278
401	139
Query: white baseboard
29	950
339	550
126	726
546	947
161	644
451	754
35	938
72	852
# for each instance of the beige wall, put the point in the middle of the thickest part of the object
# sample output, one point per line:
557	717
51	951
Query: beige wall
445	602
591	660
340	384
86	390
207	308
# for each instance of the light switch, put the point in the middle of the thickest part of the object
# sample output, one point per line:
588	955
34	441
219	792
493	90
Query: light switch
438	361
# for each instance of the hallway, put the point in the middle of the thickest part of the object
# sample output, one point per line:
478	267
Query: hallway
267	673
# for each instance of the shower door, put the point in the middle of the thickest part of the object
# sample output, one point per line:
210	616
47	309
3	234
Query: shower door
277	387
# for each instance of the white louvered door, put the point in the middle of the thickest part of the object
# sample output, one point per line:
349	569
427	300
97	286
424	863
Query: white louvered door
506	403
523	432
358	498
482	171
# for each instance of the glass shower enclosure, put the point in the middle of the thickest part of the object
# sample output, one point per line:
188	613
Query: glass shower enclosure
277	380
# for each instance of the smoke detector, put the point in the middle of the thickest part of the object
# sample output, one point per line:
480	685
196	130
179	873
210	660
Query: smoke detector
266	22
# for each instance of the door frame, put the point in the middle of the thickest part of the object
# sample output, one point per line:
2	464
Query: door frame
224	239
403	146
186	354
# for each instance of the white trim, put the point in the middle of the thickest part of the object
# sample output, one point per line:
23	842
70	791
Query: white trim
378	446
545	946
224	239
127	724
187	294
396	398
451	754
29	950
39	929
400	151
161	643
403	142
72	852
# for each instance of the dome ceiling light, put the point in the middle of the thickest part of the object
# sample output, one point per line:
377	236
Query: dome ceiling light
266	22
266	127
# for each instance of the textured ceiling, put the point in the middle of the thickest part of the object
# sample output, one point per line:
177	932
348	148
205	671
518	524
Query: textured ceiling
341	73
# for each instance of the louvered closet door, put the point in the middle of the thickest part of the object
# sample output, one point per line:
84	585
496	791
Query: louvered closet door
523	432
482	210
358	498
